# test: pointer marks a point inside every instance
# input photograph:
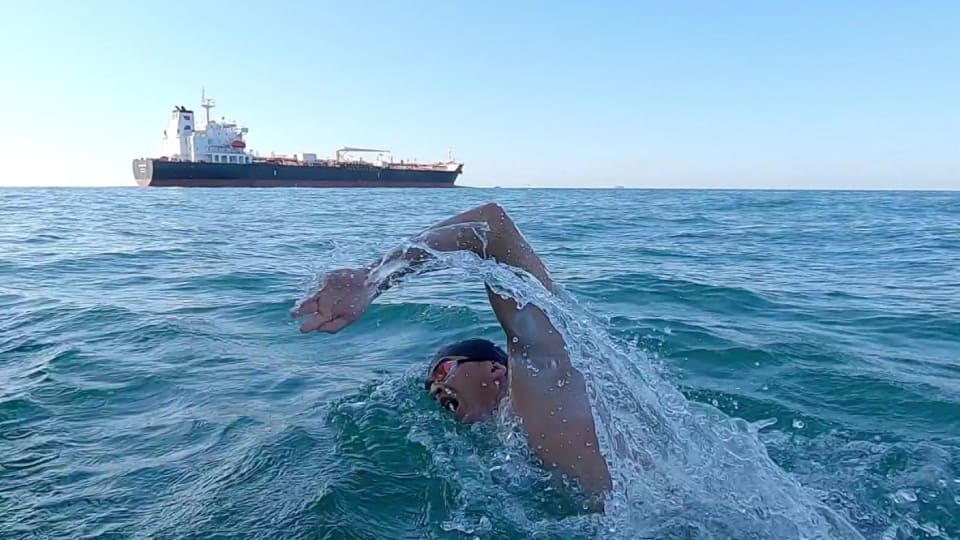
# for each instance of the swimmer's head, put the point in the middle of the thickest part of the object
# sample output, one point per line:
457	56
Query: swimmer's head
468	378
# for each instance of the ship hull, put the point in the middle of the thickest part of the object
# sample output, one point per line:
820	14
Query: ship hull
162	173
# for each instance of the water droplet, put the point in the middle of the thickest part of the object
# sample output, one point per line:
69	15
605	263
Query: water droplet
756	364
905	495
798	423
515	339
715	403
942	483
483	385
539	447
588	444
563	420
765	388
542	435
764	423
553	413
956	499
579	457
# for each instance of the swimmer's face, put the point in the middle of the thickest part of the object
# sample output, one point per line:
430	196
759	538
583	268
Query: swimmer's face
470	390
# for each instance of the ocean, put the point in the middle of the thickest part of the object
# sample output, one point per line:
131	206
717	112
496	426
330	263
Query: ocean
761	364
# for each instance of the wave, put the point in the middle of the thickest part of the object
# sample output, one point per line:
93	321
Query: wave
679	467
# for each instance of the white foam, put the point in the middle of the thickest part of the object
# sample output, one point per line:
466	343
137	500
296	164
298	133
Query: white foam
678	466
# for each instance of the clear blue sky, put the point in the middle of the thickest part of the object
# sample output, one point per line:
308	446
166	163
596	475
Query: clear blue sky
821	94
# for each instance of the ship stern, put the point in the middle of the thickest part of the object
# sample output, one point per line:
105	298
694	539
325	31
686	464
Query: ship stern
143	171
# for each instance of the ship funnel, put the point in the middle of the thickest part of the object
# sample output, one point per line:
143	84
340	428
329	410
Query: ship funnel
176	140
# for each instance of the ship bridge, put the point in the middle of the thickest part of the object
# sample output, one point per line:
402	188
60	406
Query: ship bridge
212	142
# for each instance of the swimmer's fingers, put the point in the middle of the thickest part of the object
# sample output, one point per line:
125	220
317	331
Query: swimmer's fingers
316	322
306	306
312	306
335	325
325	324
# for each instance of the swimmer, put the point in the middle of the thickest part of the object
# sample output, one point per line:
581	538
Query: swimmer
471	378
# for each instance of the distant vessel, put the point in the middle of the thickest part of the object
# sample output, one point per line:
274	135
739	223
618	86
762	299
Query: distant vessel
215	154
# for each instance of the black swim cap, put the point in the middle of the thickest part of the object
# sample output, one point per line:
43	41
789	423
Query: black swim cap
475	350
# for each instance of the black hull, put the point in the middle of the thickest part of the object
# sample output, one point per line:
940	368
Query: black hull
160	173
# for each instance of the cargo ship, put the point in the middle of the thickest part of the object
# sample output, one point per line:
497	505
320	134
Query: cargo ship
215	154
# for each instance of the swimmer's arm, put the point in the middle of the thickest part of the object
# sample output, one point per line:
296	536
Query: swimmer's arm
547	392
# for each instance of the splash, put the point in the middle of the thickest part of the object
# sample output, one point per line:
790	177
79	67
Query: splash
680	468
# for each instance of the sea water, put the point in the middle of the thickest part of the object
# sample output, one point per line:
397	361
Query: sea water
761	365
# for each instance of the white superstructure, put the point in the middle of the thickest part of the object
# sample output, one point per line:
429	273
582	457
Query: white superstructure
211	142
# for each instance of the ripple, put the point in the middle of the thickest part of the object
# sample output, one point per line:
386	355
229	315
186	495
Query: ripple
154	385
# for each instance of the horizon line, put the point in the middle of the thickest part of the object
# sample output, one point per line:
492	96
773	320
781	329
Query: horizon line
507	188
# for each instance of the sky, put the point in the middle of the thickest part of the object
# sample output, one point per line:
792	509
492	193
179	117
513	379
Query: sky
740	94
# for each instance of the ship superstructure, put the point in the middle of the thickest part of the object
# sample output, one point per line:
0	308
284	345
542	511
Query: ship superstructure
215	154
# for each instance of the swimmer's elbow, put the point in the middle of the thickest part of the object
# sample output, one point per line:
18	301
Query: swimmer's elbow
496	216
492	209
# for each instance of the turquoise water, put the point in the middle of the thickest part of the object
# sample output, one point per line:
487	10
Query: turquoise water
763	365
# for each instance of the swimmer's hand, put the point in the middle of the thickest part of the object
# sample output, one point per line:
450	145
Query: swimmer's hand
343	297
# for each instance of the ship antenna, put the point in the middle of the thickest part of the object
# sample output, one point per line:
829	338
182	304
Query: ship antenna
206	103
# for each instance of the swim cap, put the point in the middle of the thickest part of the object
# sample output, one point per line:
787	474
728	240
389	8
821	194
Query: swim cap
475	350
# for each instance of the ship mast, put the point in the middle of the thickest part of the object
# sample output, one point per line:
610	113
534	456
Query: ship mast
206	103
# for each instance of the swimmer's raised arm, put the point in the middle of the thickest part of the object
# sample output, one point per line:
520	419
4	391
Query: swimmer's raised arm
547	392
486	230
